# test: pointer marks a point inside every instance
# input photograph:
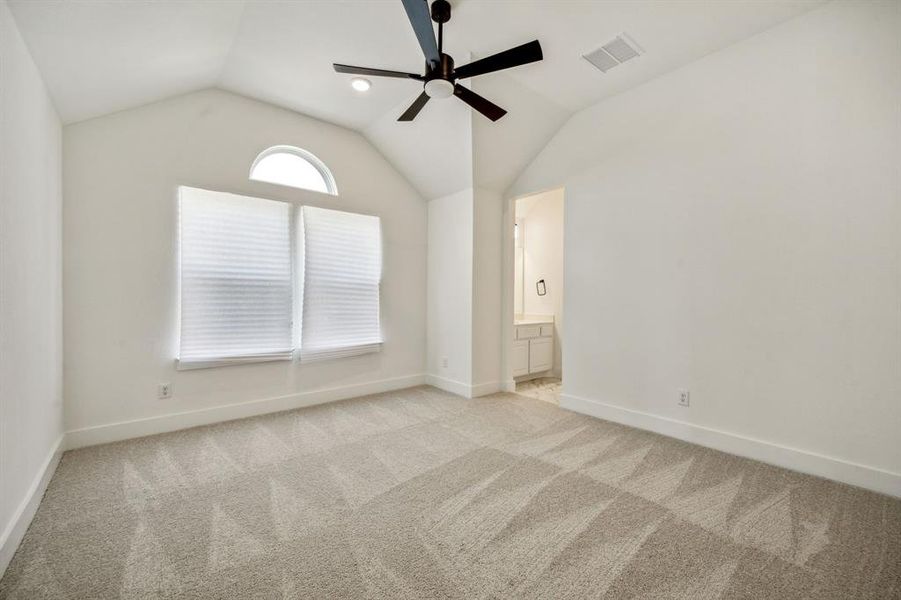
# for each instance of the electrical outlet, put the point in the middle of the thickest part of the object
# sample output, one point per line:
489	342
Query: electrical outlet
164	391
684	398
444	362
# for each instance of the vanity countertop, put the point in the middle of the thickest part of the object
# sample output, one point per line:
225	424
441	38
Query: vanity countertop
533	321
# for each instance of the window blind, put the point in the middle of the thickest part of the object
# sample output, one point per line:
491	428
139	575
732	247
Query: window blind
236	274
342	270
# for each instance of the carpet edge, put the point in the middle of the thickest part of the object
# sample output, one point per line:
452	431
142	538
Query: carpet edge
114	432
803	461
15	531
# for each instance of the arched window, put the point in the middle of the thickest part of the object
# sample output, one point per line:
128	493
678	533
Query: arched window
293	167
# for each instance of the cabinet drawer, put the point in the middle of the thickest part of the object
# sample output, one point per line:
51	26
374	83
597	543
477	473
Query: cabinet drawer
525	332
547	331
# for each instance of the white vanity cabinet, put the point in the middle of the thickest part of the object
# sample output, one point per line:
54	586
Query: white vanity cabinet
520	358
541	355
533	348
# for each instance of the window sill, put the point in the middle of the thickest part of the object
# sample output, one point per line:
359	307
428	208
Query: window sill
336	353
191	365
299	356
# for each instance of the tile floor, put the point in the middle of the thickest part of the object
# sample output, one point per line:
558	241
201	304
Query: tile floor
542	388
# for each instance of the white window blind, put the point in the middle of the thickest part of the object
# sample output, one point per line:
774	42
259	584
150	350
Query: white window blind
342	270
236	278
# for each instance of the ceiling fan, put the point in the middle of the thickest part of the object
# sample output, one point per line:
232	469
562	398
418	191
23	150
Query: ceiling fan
440	78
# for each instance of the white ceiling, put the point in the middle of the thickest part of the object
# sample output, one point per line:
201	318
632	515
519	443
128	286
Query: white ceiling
434	152
100	56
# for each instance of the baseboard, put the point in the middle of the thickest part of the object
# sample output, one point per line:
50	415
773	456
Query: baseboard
21	519
484	389
510	386
114	432
464	389
811	463
449	385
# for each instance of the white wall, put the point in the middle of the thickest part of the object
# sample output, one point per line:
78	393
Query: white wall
541	225
120	176
465	237
487	340
450	287
734	227
30	286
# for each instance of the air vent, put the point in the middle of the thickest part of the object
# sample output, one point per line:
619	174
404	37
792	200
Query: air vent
613	53
600	59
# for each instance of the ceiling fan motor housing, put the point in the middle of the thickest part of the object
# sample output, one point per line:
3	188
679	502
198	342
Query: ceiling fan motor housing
444	70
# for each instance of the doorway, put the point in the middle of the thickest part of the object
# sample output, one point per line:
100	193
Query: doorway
535	346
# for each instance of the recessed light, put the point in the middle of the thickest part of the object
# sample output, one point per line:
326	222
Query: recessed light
360	84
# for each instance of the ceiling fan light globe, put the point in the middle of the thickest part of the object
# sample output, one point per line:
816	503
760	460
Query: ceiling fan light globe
439	88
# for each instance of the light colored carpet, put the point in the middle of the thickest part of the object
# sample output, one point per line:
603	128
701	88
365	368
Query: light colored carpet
422	494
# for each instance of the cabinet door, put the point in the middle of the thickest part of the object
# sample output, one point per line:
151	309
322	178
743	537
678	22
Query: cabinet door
520	358
541	355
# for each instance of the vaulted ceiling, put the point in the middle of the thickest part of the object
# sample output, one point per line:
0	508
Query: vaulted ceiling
102	56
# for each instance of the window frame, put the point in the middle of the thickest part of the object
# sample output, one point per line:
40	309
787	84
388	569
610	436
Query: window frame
297	260
306	155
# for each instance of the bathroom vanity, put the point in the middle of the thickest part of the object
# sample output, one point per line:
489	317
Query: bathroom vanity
533	345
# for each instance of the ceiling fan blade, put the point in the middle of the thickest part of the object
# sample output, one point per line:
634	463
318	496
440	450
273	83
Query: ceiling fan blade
375	72
514	57
414	109
421	20
486	107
